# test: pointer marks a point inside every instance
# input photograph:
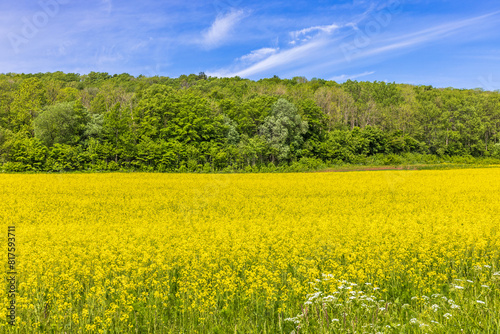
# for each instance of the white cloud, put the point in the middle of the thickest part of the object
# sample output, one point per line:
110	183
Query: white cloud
220	30
344	77
296	54
142	44
257	55
378	48
423	36
323	53
305	32
265	59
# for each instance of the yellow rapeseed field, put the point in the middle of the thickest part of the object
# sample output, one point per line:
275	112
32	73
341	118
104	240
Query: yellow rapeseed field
387	251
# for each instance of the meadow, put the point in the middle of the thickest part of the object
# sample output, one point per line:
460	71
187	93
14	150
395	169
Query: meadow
355	252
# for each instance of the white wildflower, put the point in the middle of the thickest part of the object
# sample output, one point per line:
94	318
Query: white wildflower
294	320
314	295
329	298
447	315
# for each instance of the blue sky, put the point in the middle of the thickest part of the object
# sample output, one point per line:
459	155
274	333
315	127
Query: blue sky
441	43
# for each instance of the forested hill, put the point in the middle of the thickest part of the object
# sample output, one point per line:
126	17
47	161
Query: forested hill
58	121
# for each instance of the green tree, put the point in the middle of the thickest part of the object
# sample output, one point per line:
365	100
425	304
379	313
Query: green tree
283	130
28	101
24	153
116	128
62	123
67	94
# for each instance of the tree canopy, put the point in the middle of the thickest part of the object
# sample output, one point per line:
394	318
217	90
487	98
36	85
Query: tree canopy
98	121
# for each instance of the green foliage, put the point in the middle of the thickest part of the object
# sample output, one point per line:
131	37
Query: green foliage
67	94
28	101
23	153
232	135
62	123
283	130
203	124
495	151
64	157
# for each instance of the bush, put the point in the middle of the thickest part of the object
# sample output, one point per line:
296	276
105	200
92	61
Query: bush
495	151
15	167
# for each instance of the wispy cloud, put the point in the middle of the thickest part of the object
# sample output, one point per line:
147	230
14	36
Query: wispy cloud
261	60
257	55
305	33
345	77
400	40
419	38
275	61
221	28
322	50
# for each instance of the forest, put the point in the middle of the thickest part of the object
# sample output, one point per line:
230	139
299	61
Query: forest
100	122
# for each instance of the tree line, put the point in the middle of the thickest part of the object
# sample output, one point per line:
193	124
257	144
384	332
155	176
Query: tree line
66	121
